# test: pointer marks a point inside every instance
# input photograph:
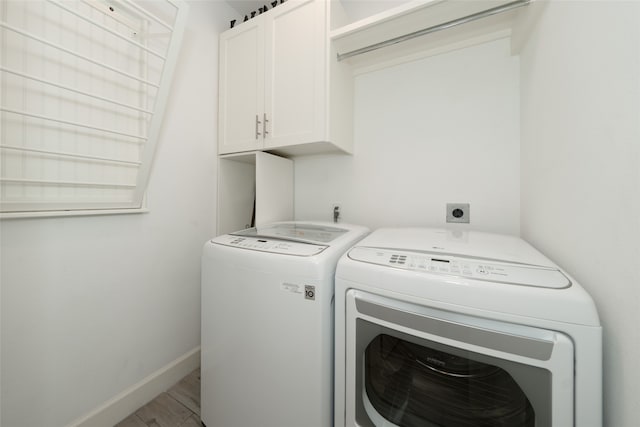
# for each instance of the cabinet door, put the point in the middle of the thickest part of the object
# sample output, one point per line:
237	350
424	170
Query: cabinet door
241	98
295	73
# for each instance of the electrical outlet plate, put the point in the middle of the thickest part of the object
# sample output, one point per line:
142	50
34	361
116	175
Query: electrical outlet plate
458	212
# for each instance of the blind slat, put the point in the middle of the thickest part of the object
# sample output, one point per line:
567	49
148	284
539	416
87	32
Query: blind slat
68	122
71	89
76	54
72	155
65	183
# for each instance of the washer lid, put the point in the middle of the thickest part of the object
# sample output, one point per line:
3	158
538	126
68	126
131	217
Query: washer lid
489	270
290	231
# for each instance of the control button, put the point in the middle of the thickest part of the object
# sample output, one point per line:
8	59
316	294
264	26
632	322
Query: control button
309	292
482	270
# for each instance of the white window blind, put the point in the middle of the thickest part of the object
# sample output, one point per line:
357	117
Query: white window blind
84	85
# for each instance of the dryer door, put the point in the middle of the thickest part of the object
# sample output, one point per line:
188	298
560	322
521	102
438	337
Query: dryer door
409	365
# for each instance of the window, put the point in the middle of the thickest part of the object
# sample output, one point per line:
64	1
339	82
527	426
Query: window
83	89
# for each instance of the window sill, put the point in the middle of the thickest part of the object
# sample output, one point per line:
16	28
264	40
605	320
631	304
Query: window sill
51	214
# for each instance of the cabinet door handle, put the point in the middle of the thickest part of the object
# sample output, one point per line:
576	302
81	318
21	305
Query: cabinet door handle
257	126
264	126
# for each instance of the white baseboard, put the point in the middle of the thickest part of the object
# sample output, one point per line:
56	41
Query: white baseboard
122	405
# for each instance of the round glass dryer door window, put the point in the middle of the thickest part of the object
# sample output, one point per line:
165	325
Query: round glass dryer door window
411	385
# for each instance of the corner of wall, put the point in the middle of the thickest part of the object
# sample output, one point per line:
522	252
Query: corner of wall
125	403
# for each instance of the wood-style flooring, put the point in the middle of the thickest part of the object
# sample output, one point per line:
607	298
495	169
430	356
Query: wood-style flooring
177	407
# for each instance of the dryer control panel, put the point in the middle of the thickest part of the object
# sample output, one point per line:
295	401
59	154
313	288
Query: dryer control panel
461	266
269	245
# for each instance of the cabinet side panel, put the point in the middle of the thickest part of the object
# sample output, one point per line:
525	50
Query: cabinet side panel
274	188
340	111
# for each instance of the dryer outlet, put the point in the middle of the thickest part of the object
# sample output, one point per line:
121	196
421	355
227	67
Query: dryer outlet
458	212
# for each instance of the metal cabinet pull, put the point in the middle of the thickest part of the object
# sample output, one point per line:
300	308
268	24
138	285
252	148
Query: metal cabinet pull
257	126
264	126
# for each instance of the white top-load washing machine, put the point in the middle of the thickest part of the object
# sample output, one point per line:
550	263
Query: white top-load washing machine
449	328
267	324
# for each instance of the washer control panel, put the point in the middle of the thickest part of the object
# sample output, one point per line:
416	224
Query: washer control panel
269	245
473	268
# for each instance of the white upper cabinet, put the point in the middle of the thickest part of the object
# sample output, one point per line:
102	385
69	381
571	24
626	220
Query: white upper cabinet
281	87
241	88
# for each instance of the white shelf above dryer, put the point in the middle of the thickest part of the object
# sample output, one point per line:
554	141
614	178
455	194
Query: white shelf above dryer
423	28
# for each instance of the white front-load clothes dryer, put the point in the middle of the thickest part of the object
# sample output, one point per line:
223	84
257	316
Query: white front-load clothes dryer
267	324
450	329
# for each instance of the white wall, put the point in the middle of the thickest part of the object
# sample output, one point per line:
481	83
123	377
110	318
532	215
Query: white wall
441	129
580	170
92	305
